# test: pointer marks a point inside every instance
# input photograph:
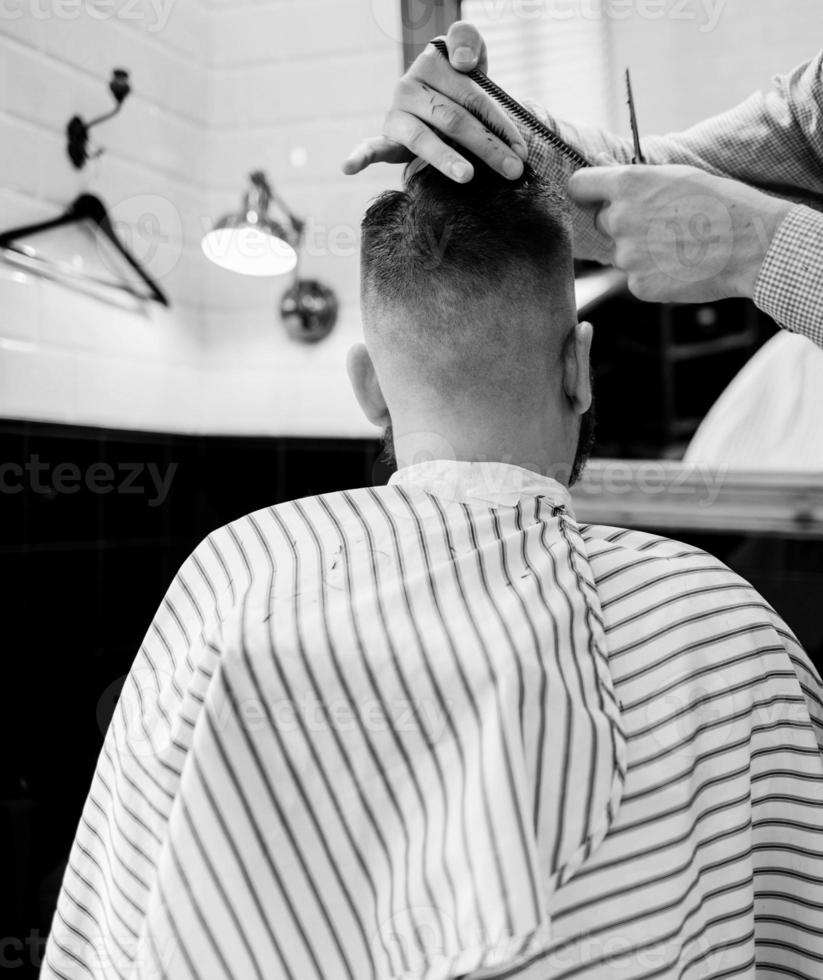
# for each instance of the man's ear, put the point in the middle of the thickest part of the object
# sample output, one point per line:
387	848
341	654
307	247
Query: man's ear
576	374
366	386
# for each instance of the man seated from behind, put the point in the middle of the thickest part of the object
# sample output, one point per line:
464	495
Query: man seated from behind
438	728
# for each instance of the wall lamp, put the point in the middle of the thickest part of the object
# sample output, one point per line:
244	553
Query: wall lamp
263	238
77	130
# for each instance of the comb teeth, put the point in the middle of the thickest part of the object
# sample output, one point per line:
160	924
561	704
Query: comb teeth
519	112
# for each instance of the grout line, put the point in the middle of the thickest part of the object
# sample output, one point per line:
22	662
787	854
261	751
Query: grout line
329	62
56	59
184	181
227	129
254	129
290	60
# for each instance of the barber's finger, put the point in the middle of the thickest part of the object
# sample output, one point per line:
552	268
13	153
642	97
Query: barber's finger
602	220
424	143
377	149
467	49
435	75
444	115
606	246
593	185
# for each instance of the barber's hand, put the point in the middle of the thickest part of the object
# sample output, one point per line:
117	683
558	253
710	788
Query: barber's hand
682	235
433	97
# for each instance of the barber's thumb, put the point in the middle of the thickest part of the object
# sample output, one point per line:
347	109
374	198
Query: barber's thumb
466	47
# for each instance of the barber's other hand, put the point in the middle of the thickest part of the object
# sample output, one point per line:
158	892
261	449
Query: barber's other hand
682	235
433	97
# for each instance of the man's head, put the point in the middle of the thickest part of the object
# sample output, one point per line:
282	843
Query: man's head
473	350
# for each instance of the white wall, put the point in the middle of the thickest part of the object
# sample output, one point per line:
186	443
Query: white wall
225	86
691	59
295	86
219	89
64	356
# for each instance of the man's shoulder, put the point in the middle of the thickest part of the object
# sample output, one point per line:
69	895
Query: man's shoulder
628	562
602	540
280	525
642	577
652	588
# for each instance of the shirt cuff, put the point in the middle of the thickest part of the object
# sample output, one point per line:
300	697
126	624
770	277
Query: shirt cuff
789	287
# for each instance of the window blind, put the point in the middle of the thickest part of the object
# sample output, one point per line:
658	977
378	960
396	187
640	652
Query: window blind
552	51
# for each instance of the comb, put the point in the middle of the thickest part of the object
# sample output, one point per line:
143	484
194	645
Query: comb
519	112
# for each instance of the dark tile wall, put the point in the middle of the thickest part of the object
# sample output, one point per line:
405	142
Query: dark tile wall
85	562
83	571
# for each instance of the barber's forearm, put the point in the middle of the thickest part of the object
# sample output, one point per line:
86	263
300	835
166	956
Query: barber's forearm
770	141
658	150
789	287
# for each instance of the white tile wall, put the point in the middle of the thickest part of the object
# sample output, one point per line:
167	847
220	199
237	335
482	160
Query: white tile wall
351	84
219	88
225	86
692	59
282	33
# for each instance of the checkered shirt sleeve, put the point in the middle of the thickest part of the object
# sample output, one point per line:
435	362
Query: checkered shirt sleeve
790	285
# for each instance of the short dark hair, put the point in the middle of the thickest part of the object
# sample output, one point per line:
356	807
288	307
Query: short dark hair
444	246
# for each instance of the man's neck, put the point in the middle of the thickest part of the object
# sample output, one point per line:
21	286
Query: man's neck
543	456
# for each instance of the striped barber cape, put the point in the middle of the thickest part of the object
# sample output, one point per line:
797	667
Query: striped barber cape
439	729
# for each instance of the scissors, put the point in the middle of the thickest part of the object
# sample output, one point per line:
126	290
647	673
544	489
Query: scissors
638	152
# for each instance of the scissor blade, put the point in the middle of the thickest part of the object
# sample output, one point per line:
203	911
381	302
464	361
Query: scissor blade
638	152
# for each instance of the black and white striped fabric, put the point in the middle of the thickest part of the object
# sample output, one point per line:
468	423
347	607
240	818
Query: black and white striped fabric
439	729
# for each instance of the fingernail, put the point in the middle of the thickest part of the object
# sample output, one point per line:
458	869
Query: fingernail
521	150
462	171
512	167
464	57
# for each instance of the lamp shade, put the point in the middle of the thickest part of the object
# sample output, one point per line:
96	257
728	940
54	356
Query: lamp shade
251	242
251	248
